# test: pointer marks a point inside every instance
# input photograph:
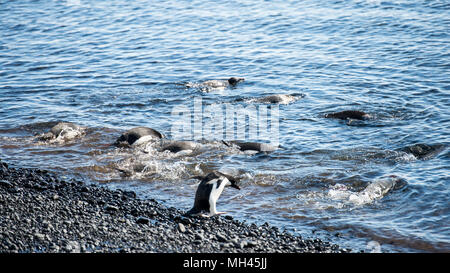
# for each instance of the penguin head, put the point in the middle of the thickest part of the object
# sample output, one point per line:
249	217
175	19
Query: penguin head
234	81
228	179
232	182
221	178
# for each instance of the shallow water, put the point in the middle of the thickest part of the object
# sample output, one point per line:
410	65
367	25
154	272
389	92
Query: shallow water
113	65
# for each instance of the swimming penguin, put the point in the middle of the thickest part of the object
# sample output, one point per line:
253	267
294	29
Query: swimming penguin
209	191
222	83
216	84
138	135
377	189
233	81
63	131
349	114
279	98
251	146
177	146
423	151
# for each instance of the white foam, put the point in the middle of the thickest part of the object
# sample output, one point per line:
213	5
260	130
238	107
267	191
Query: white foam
374	191
67	133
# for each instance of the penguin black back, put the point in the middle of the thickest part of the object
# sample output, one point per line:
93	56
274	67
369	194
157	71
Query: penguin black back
349	114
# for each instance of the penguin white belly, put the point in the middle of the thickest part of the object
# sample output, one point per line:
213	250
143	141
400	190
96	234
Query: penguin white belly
216	191
143	140
215	84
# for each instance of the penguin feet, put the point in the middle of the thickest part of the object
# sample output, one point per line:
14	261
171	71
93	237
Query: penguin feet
207	215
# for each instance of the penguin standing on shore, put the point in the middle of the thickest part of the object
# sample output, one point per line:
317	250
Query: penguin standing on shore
209	191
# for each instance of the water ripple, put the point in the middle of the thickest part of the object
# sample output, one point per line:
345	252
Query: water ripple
111	66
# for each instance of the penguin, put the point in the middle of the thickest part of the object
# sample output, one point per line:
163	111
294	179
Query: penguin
277	99
349	114
216	84
233	81
138	135
208	192
63	131
423	151
252	146
223	83
177	146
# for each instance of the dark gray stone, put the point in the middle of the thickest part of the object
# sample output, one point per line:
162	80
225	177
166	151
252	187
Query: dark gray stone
70	218
142	220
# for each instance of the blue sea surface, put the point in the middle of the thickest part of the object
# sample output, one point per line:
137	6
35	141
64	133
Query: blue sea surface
113	65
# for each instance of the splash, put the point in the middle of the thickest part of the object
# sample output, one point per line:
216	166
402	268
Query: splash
374	191
62	133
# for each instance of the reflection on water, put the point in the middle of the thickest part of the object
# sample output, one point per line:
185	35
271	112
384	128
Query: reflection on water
115	67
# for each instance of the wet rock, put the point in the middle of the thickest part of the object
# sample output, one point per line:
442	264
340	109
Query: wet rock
4	165
252	243
242	244
39	236
111	208
221	238
72	246
143	220
129	194
152	213
6	184
199	236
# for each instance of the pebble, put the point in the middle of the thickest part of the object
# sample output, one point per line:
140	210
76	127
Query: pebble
199	236
181	228
4	183
221	238
129	194
235	242
142	220
70	217
39	236
111	208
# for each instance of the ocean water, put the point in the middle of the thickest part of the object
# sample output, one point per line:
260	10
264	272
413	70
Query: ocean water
113	65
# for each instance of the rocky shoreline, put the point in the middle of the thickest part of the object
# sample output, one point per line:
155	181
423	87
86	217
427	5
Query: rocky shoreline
39	212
